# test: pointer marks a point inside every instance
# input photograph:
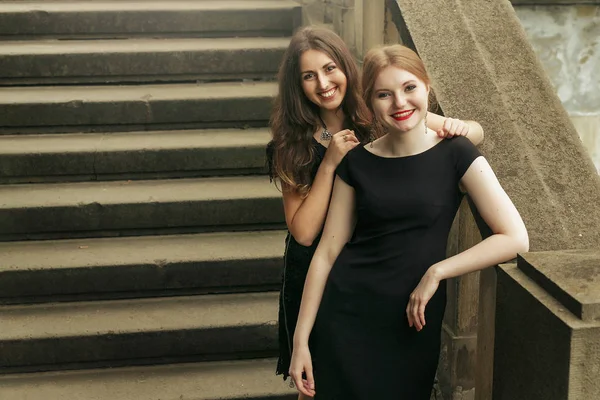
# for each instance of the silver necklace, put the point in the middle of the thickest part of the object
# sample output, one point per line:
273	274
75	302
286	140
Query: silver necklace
325	134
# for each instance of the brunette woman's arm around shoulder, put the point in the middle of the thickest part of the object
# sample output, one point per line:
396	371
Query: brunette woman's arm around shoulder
305	216
509	238
338	230
450	127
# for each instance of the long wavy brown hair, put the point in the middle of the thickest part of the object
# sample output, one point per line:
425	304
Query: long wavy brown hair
295	118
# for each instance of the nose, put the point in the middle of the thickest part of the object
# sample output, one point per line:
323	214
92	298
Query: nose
399	101
323	81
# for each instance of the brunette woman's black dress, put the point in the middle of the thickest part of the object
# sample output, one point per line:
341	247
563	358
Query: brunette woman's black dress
295	267
364	348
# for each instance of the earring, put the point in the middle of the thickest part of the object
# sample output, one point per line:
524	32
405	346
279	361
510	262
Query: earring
426	124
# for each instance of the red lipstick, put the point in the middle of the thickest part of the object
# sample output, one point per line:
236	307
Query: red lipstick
403	116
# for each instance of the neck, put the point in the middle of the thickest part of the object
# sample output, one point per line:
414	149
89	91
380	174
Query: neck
401	144
334	120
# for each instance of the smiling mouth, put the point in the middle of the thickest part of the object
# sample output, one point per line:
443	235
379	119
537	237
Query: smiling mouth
403	115
328	95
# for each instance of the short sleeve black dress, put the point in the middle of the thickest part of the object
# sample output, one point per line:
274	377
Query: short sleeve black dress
364	348
296	260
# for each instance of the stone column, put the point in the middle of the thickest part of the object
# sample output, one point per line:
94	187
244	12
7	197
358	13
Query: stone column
459	335
548	327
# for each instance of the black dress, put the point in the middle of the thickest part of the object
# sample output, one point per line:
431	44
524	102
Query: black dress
405	206
295	267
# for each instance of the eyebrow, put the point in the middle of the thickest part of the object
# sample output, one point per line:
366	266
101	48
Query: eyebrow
404	84
323	67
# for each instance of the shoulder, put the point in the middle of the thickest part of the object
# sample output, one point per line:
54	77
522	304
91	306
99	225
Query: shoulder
459	142
463	153
460	146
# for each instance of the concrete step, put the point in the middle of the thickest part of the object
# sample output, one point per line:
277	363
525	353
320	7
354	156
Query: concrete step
134	107
62	210
140	331
226	380
108	19
132	155
42	271
139	60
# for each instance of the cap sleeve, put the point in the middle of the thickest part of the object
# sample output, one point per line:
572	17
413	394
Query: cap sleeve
465	153
343	170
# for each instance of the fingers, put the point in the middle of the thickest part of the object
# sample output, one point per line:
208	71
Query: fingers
306	385
346	135
453	127
309	382
415	312
297	378
421	312
415	315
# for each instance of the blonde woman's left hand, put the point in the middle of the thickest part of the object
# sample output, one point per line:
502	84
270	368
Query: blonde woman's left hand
415	310
453	127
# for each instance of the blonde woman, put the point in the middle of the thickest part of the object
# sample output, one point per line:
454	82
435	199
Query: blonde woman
375	290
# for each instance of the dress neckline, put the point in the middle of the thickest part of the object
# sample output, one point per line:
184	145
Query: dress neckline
404	157
319	143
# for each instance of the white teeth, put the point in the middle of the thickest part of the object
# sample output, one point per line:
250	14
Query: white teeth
328	94
402	114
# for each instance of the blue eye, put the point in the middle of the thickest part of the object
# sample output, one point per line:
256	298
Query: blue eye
410	88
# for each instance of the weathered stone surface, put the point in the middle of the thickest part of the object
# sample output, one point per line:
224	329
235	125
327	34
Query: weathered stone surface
148	18
553	2
566	41
143	60
93	107
65	209
542	350
488	72
34	271
109	156
209	326
571	277
243	379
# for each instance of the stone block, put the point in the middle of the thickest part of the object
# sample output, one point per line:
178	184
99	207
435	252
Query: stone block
125	19
547	339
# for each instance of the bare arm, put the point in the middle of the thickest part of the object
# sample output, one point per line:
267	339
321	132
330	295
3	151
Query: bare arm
449	127
509	238
495	207
305	216
338	230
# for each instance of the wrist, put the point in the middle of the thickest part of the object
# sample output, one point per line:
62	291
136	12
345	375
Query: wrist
437	272
328	164
300	342
300	339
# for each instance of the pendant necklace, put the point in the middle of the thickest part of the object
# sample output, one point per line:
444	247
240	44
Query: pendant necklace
325	134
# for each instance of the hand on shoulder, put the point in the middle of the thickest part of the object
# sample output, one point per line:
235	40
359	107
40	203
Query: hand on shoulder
341	143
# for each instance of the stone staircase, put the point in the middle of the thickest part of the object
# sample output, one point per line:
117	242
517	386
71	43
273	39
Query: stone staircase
140	240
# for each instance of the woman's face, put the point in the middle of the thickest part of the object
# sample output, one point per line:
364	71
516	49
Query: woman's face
399	99
323	82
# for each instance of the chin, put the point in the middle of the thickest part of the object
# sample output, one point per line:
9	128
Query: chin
332	106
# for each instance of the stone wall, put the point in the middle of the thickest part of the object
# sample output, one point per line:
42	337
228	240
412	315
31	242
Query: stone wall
566	39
